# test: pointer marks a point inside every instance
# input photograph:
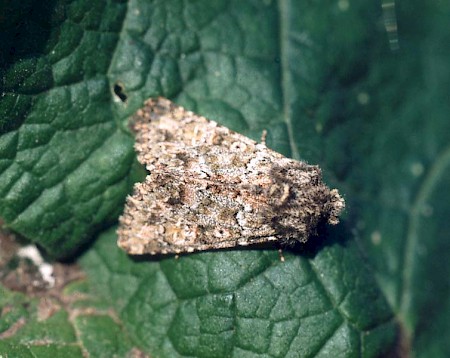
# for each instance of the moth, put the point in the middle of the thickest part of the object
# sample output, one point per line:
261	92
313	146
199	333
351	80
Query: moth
211	188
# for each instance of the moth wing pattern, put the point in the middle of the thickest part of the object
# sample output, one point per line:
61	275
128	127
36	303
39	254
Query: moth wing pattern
212	188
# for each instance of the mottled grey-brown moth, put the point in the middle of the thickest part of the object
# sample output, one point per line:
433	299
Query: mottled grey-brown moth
212	188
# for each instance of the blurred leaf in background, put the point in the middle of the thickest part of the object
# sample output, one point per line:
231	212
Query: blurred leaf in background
332	86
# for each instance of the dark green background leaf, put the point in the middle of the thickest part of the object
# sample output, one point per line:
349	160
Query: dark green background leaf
320	77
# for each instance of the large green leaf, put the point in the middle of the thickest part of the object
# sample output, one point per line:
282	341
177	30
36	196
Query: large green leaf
320	77
246	303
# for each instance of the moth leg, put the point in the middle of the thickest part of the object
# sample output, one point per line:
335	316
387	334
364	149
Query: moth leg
263	136
280	253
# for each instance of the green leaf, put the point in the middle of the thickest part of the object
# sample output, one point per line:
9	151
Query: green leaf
246	302
64	160
68	325
399	171
322	80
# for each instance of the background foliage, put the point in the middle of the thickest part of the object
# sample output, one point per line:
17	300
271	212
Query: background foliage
332	87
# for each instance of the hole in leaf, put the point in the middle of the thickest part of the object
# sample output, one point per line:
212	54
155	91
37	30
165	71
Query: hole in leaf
119	91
